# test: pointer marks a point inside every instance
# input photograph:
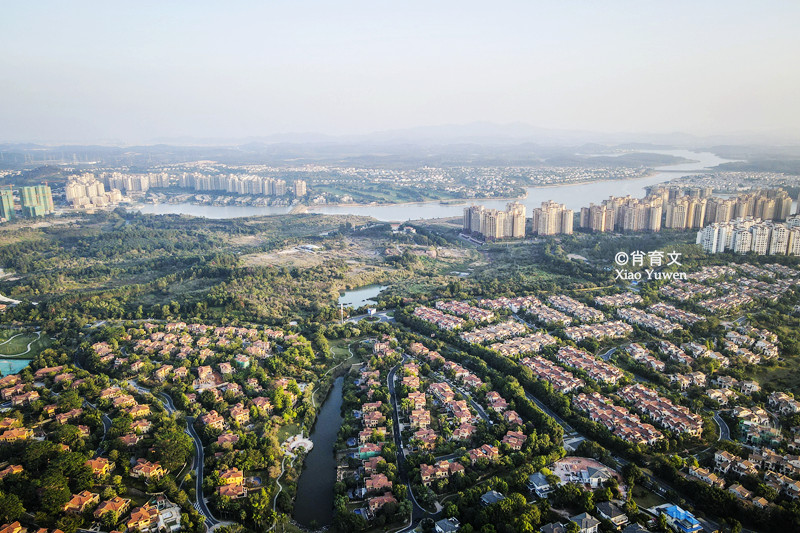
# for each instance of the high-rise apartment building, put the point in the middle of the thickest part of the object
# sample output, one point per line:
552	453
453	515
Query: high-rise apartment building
7	204
793	248
761	234
597	218
677	213
744	235
720	209
783	206
37	201
742	241
624	214
552	219
86	191
494	224
778	240
516	220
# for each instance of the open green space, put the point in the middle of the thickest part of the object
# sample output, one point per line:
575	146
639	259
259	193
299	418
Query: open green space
18	343
645	498
287	431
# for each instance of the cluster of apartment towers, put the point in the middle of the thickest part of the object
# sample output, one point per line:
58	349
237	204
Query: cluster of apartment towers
87	191
670	207
198	181
749	234
36	201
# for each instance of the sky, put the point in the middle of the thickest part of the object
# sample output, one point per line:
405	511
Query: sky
137	72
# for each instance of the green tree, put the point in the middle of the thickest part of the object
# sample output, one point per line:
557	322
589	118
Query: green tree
172	447
68	400
10	508
55	493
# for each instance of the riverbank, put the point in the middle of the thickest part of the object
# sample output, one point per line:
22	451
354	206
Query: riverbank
303	208
309	208
447	202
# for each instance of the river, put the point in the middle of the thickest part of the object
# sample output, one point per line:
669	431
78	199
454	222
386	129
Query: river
574	196
314	500
361	296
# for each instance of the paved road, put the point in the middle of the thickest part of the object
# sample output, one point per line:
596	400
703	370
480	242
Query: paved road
199	456
656	485
468	396
10	339
200	504
661	488
606	356
724	430
28	349
417	511
168	405
568	430
106	425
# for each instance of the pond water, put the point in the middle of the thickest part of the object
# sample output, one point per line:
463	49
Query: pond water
12	366
314	500
361	295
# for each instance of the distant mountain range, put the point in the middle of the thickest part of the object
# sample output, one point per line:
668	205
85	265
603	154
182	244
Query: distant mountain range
493	134
476	144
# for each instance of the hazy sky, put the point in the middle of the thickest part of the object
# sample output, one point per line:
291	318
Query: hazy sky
137	71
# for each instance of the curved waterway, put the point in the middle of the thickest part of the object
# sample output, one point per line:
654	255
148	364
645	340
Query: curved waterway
574	196
314	500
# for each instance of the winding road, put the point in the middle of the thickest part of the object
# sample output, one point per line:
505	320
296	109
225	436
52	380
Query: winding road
724	430
468	396
10	339
106	425
199	459
417	511
199	456
653	483
280	487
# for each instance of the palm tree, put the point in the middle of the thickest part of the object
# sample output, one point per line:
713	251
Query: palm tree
405	405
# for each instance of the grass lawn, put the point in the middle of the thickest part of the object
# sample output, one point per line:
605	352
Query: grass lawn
339	348
645	498
783	374
287	431
16	343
